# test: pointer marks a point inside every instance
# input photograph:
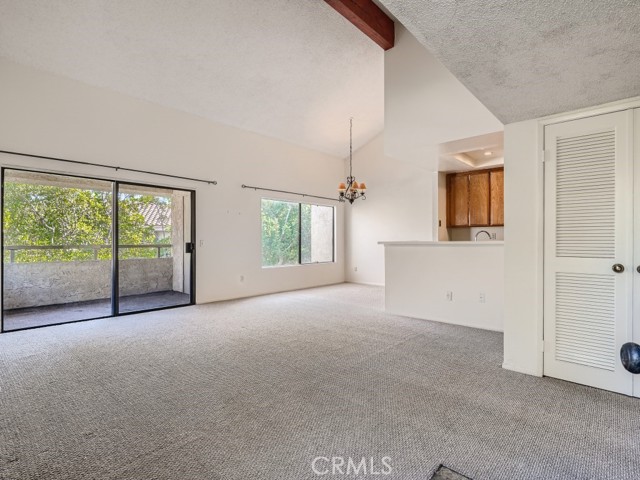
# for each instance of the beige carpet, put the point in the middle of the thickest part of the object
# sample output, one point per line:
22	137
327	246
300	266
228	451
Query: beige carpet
259	388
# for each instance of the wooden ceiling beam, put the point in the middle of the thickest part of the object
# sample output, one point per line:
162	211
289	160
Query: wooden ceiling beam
369	18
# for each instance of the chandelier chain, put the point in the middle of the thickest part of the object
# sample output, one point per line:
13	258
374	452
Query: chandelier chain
351	147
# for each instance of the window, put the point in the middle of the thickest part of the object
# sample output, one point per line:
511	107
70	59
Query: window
296	233
316	233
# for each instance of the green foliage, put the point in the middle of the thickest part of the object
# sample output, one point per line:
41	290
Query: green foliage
288	228
280	222
133	230
45	215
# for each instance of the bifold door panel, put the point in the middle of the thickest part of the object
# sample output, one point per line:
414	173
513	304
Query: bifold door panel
588	250
585	320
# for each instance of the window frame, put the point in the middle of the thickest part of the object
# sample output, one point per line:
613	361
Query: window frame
300	262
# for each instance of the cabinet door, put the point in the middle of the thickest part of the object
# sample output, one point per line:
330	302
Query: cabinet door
458	200
496	178
479	199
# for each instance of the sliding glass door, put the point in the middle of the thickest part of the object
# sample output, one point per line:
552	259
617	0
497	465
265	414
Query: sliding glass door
154	248
59	261
57	234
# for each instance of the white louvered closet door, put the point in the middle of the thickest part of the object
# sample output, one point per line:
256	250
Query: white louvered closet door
588	230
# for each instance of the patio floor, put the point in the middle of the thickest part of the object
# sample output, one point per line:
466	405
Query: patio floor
51	314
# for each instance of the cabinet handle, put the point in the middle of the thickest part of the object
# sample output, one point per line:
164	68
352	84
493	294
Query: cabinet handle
618	268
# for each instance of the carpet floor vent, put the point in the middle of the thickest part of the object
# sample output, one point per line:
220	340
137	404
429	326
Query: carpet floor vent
444	473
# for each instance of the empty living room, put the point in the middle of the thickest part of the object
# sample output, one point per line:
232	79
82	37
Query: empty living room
313	239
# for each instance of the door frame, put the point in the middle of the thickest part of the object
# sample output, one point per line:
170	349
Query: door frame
114	243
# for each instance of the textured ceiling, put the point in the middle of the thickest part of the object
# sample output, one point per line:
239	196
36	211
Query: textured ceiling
290	69
526	59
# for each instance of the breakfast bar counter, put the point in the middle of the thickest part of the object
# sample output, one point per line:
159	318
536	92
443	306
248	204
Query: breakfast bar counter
451	282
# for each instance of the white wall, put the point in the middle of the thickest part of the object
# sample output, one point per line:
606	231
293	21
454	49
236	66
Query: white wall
426	105
398	207
419	277
50	115
523	177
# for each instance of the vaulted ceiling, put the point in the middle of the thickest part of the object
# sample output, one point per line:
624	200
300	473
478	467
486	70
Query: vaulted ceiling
526	59
297	70
290	69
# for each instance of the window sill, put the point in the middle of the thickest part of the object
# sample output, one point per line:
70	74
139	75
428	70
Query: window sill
267	267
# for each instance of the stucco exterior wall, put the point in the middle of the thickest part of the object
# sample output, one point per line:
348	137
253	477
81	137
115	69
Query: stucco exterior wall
36	284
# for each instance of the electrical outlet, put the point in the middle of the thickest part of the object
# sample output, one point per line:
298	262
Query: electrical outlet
202	243
355	269
482	298
450	296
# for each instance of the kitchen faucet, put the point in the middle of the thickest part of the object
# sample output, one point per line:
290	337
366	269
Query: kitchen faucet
482	231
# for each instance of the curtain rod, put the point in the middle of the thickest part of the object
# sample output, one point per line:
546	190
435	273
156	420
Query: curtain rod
291	193
77	162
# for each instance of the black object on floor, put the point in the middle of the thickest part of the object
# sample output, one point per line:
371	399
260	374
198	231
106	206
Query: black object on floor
630	356
444	473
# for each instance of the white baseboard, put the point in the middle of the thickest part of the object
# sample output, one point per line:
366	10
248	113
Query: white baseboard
520	370
465	324
366	283
447	321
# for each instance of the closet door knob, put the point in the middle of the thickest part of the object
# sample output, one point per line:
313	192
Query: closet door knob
638	269
618	268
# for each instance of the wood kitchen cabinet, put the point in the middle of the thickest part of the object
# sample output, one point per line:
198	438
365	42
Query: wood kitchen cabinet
475	199
458	200
497	197
479	199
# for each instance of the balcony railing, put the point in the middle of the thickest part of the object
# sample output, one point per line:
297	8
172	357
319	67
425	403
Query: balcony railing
12	249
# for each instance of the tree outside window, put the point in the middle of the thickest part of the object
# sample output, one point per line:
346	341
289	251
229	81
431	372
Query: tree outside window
296	233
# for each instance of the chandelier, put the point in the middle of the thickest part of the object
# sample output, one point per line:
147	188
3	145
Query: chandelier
351	190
